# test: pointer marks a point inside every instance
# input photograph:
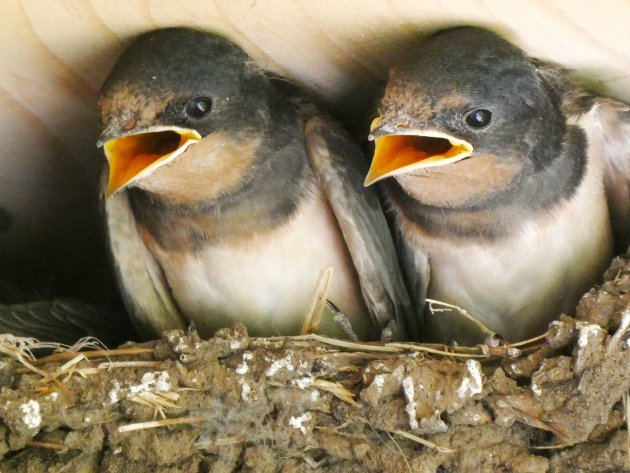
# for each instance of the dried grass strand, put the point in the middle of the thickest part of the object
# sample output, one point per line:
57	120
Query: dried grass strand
161	423
68	355
318	303
49	445
425	442
550	447
464	313
434	351
128	364
335	389
401	451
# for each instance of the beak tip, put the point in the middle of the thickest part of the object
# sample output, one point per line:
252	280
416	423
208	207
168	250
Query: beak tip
112	189
112	192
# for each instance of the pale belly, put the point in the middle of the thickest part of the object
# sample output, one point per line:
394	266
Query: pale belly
516	292
269	281
515	287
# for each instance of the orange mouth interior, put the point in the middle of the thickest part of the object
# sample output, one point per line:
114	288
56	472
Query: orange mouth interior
397	154
133	156
403	150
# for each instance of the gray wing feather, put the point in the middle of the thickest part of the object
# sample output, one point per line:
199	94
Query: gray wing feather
140	278
64	321
609	121
612	119
417	271
340	168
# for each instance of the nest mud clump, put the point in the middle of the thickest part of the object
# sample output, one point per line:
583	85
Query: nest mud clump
558	403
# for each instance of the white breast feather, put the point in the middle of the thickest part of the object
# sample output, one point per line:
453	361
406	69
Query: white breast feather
268	282
517	286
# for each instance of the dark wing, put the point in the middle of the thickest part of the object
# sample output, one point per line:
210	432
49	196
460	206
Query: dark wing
417	272
607	125
140	278
64	321
611	126
341	169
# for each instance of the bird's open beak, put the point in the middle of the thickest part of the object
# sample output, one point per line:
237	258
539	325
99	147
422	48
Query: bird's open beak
135	155
401	149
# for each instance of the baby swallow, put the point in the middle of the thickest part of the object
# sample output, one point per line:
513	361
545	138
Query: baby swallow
503	178
228	194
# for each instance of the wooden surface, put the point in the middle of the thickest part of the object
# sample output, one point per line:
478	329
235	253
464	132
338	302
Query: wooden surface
56	53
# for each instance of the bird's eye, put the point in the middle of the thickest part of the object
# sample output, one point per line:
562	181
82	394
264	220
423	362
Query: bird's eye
199	107
479	118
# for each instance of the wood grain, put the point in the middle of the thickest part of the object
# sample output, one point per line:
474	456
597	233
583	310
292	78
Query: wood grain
56	53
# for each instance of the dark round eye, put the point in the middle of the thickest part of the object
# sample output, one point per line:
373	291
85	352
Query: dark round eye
198	107
479	118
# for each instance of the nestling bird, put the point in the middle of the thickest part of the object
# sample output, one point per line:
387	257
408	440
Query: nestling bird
227	194
502	177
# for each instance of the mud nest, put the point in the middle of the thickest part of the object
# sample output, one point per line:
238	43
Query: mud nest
293	404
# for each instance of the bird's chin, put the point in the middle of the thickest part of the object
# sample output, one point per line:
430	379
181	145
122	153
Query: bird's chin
135	156
217	165
464	183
